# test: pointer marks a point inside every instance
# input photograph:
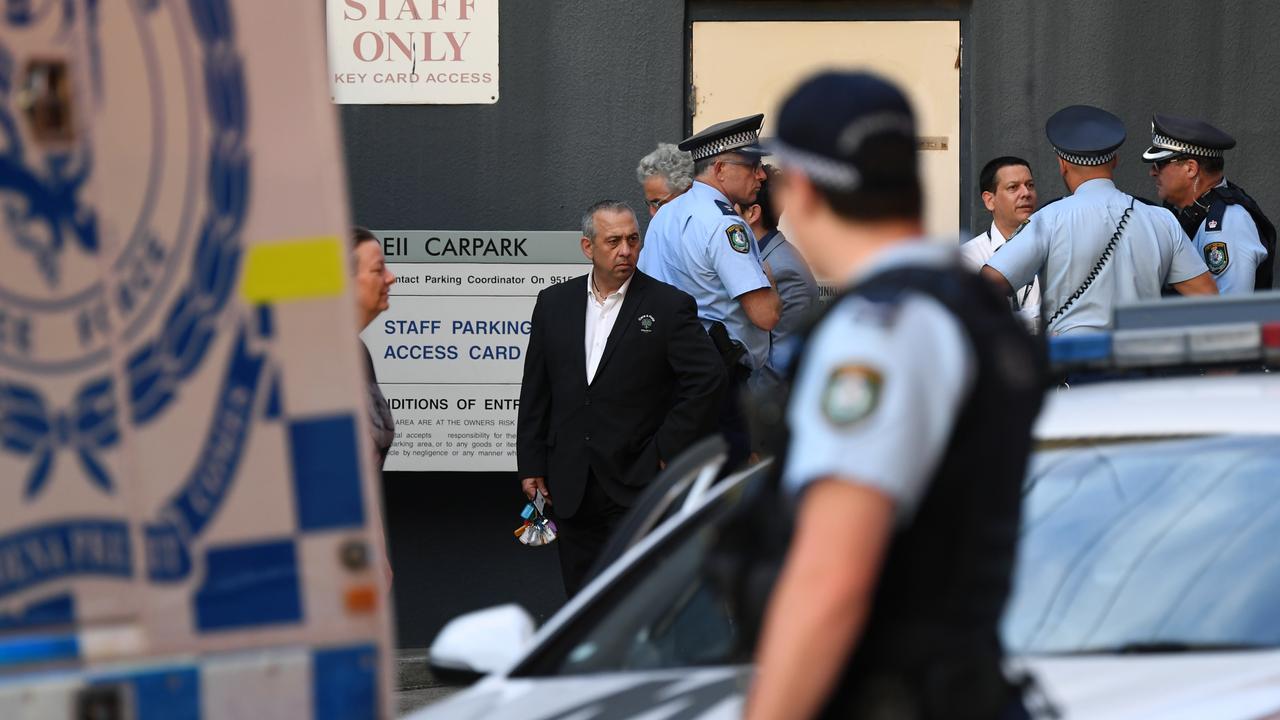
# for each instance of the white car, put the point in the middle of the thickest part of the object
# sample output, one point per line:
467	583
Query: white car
1147	582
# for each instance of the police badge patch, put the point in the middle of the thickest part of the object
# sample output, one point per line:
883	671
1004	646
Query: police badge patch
1216	257
738	238
852	394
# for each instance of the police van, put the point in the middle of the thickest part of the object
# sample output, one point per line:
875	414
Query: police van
1144	587
189	525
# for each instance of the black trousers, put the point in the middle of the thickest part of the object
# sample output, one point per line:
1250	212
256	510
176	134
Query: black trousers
580	539
733	420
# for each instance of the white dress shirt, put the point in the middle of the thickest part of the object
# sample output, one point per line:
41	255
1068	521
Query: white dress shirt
600	319
979	251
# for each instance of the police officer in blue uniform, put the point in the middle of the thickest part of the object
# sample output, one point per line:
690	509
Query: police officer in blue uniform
1098	247
699	243
1229	230
909	420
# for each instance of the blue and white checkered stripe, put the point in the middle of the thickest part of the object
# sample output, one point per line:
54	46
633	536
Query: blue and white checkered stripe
1165	142
335	683
1086	160
727	143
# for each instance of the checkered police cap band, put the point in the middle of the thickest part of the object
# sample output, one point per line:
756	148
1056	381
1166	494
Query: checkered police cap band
824	171
725	144
1086	160
1165	142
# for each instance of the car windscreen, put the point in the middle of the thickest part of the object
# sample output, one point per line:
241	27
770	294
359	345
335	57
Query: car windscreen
1148	543
662	612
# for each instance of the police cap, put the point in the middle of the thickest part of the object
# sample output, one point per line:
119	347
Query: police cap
848	130
1173	136
738	135
1085	135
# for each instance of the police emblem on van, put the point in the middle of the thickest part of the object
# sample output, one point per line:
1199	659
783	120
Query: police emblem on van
110	310
1216	257
738	238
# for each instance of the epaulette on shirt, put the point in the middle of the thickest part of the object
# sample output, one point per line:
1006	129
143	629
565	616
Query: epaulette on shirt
726	208
1213	221
1145	201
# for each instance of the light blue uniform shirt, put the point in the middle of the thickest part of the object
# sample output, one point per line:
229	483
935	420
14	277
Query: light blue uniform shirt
1064	240
879	387
1232	249
698	243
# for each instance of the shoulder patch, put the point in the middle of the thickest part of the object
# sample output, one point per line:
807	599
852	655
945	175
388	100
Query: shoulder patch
1216	257
726	208
737	235
851	395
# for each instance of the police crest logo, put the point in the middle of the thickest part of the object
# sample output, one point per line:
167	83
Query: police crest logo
738	238
851	395
646	323
1216	257
152	280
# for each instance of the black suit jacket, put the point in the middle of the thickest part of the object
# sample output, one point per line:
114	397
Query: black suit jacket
656	391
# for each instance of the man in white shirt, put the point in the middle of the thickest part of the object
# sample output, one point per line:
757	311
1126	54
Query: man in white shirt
1009	193
619	378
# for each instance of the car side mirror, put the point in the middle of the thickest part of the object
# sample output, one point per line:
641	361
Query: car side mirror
473	645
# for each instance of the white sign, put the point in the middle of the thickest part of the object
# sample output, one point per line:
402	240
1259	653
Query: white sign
413	51
450	352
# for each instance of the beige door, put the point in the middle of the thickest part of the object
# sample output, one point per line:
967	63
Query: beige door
922	56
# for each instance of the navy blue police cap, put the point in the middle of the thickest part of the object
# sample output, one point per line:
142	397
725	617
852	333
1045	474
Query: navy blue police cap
1174	136
1085	135
741	135
847	130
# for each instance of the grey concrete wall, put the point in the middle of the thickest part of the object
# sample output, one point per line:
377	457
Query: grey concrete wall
586	89
1216	60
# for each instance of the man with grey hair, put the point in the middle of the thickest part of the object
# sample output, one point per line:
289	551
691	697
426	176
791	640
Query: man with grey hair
665	174
616	384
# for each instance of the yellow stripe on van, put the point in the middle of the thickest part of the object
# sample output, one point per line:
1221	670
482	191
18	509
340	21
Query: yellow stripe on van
302	269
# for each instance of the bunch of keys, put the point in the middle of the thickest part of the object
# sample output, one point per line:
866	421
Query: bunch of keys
537	529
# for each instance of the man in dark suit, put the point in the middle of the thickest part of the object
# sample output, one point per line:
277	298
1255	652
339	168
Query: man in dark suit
619	378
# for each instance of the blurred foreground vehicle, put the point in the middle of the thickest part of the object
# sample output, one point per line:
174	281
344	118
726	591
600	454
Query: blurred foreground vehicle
189	527
1144	585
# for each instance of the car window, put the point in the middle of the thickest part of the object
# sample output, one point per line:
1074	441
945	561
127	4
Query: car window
1149	542
663	613
1161	542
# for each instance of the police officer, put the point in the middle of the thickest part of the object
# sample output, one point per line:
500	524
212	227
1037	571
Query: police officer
1098	247
1228	228
909	419
699	243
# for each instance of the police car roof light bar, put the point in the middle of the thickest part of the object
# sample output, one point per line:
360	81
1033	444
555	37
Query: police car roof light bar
1093	349
1260	307
1178	332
